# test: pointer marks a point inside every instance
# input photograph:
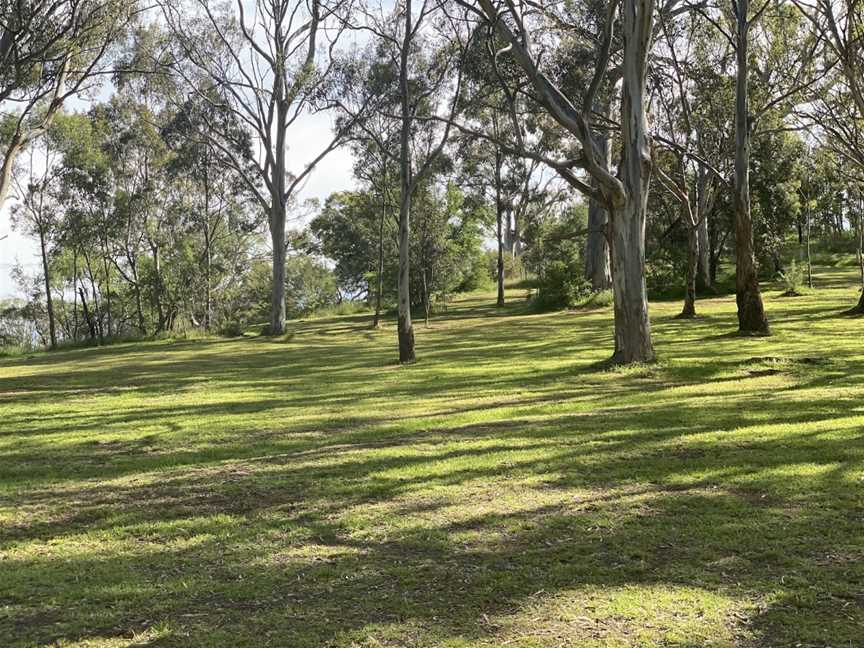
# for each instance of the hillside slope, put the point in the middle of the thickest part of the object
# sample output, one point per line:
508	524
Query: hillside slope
503	491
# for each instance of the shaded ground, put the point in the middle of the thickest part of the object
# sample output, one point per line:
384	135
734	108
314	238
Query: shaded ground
503	491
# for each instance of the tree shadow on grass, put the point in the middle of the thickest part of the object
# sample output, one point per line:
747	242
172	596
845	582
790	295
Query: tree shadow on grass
729	512
271	547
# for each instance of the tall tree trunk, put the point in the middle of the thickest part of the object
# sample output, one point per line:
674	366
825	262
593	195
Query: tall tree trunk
751	312
74	294
13	149
208	256
499	216
379	287
277	289
91	327
689	309
427	306
704	259
49	302
278	206
515	242
157	268
860	307
598	269
106	269
632	325
97	309
406	328
139	309
809	261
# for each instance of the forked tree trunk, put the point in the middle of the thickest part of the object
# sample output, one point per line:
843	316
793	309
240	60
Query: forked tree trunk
632	325
751	312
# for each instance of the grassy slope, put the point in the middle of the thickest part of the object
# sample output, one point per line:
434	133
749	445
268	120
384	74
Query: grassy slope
503	491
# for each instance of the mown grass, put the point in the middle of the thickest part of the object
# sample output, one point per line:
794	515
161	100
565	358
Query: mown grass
505	490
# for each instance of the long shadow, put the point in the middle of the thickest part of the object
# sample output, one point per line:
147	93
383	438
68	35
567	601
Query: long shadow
317	512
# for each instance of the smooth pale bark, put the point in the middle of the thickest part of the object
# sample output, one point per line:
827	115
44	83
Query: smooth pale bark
11	154
632	325
626	195
751	312
597	257
97	308
379	288
49	301
693	248
809	263
107	272
277	288
208	254
597	266
499	216
278	210
703	241
88	318
405	326
160	308
860	307
208	279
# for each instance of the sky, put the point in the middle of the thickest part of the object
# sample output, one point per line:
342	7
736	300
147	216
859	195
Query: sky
308	136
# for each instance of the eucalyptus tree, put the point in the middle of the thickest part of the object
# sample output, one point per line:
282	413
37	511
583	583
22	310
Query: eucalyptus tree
776	48
838	108
38	213
374	161
416	75
209	195
523	31
269	63
679	131
50	50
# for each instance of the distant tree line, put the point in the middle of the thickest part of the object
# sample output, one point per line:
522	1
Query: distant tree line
584	147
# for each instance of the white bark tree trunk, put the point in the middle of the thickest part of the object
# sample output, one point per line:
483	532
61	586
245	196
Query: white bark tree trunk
751	312
632	325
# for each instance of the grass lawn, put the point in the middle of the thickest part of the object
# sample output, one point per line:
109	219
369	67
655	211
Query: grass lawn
504	491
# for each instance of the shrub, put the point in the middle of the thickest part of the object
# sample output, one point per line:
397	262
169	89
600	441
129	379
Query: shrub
793	279
600	299
344	307
563	285
232	329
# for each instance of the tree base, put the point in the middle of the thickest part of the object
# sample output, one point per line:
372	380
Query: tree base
406	342
620	359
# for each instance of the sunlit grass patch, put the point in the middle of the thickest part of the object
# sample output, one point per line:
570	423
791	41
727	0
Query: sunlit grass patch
508	489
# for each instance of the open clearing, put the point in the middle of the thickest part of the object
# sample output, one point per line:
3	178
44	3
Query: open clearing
308	491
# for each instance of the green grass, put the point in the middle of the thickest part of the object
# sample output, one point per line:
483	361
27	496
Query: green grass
504	491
